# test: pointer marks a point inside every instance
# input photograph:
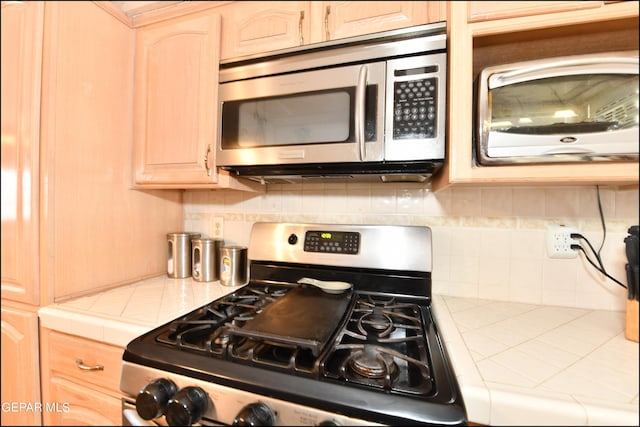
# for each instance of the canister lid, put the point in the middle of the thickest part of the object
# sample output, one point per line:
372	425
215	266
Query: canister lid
206	240
193	235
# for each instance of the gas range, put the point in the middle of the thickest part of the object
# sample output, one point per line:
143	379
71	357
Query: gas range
283	351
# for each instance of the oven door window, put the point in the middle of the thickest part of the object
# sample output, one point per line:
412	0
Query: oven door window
320	117
566	104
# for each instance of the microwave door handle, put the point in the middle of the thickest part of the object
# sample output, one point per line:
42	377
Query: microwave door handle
361	90
569	67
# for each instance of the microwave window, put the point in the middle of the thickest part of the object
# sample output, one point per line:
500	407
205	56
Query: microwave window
307	118
576	104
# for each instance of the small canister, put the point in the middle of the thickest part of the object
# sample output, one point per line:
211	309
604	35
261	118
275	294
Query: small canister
234	266
179	254
205	261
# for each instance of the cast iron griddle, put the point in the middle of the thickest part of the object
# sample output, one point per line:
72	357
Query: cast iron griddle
306	316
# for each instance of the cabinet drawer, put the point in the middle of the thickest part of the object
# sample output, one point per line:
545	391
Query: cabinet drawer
68	353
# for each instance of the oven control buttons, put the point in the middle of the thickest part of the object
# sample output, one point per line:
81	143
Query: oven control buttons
152	400
255	414
187	406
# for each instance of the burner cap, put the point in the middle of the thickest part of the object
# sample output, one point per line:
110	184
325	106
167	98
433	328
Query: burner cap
371	363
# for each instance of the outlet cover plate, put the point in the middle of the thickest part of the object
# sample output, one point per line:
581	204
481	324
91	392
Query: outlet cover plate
217	227
559	241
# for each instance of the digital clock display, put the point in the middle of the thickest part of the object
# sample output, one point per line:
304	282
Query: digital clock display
332	236
339	242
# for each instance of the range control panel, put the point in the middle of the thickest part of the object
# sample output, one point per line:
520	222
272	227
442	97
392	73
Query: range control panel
339	242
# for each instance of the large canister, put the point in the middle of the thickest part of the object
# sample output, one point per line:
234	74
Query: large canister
234	266
179	254
205	254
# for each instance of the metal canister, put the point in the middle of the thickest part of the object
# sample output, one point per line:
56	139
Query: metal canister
205	254
234	266
179	254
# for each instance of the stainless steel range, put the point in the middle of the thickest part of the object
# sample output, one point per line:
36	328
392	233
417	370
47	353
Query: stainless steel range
335	327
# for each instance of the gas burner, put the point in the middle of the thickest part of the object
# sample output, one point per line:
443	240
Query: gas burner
375	321
369	362
221	340
377	301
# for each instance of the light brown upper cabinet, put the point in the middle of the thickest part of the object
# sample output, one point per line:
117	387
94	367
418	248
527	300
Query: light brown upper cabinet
250	28
342	19
488	10
601	27
176	104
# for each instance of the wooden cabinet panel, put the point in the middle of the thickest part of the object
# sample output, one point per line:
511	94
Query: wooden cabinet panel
487	10
20	366
96	232
84	396
349	18
81	406
258	27
251	27
175	100
22	27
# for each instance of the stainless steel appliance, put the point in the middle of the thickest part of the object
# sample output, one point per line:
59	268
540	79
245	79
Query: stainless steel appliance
335	327
363	108
575	108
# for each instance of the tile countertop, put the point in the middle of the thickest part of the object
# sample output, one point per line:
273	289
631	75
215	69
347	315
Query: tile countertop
119	315
516	363
524	364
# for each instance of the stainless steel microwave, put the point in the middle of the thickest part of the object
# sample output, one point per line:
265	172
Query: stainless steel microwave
359	109
568	109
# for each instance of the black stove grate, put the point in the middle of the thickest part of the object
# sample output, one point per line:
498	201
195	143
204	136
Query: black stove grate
380	343
383	345
205	329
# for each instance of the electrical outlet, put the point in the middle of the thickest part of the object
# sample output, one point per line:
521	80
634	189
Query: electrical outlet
559	241
216	227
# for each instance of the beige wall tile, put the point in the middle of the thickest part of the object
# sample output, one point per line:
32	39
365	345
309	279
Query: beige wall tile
488	242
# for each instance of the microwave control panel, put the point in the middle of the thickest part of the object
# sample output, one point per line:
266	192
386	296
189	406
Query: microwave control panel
415	109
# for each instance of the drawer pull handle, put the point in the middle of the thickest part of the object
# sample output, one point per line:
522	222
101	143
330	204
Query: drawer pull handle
80	364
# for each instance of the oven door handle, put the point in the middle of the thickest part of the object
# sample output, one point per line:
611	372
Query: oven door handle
361	92
566	67
131	418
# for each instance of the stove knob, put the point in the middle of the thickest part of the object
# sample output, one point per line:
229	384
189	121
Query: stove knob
255	414
187	406
152	400
293	239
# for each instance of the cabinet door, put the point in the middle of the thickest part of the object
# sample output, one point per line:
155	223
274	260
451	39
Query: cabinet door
487	10
22	28
353	18
20	366
175	100
251	27
75	405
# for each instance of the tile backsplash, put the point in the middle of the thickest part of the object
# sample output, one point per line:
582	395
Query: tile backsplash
488	242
